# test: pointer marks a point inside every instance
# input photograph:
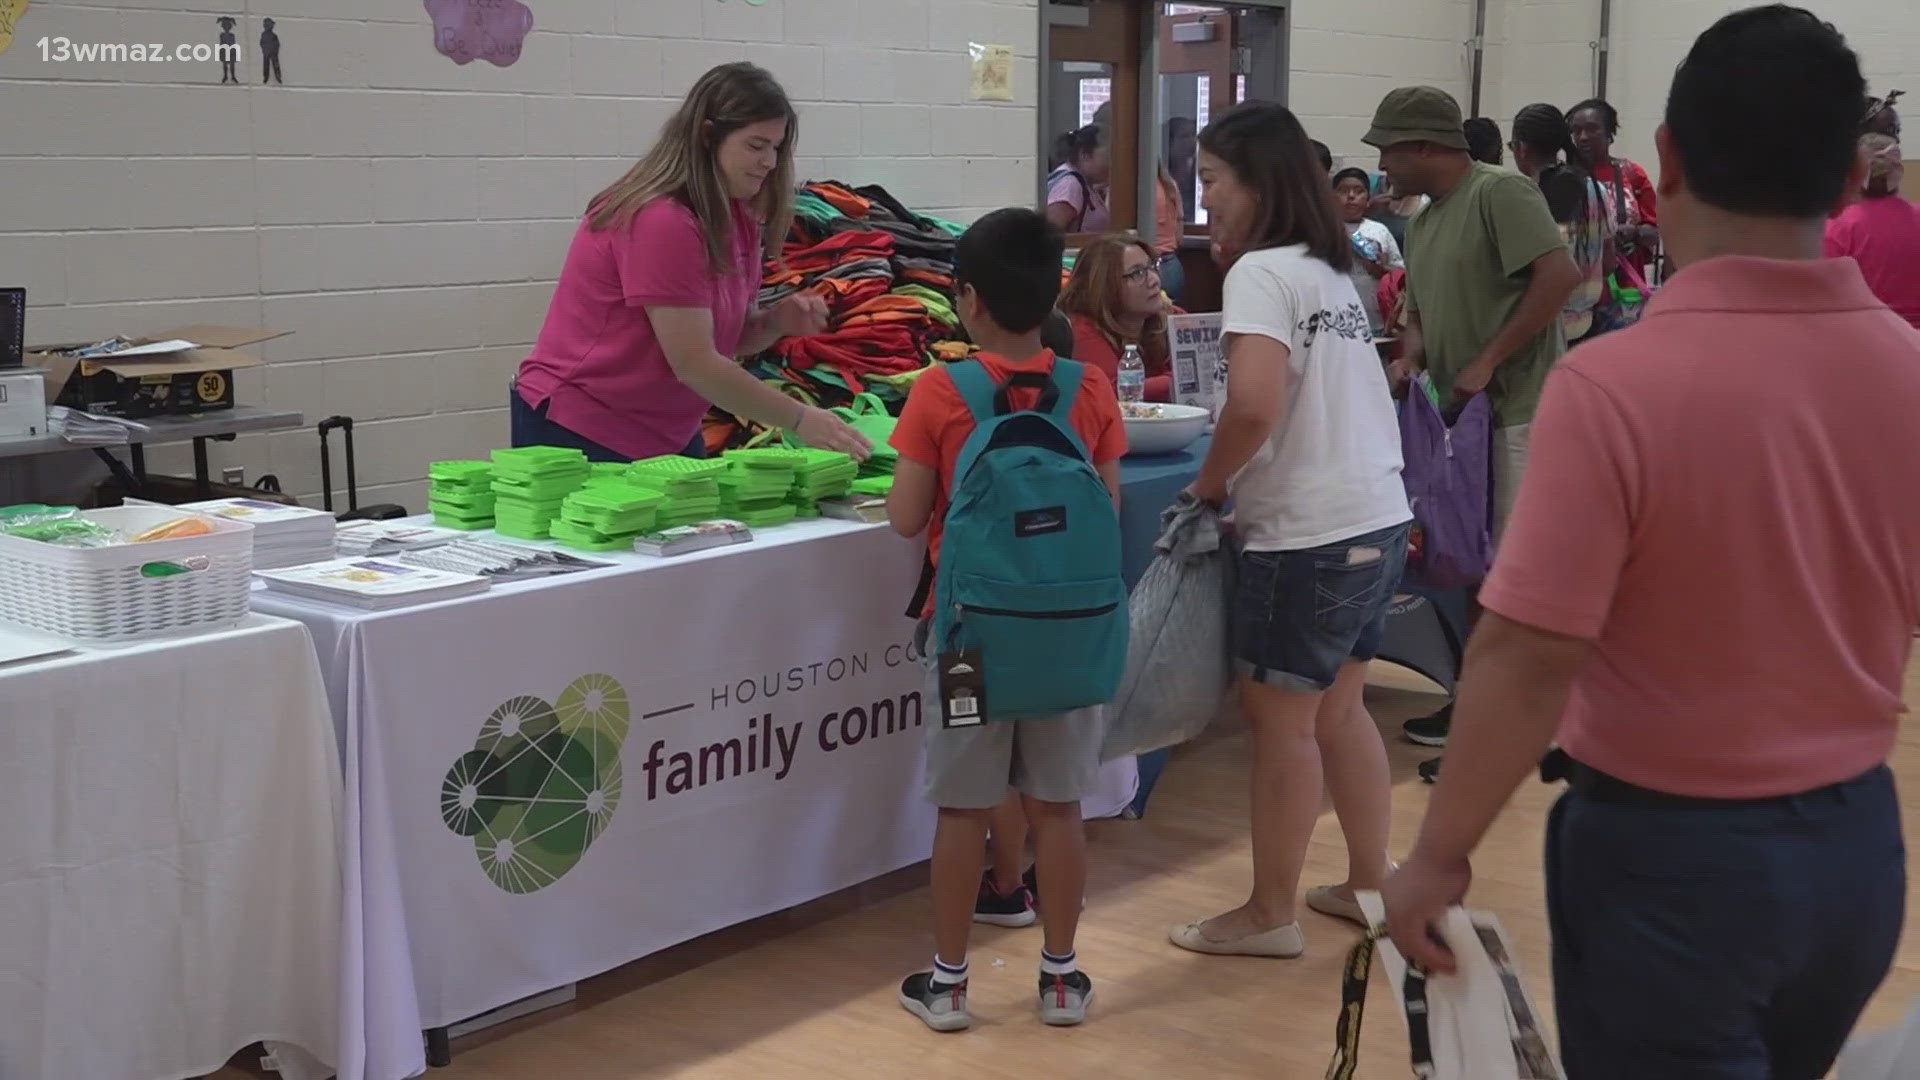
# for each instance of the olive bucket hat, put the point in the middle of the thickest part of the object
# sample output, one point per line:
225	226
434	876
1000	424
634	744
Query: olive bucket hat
1417	114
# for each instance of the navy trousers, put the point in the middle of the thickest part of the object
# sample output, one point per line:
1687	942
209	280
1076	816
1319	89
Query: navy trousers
1722	943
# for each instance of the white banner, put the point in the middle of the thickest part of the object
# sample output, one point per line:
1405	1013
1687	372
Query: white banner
1194	341
621	764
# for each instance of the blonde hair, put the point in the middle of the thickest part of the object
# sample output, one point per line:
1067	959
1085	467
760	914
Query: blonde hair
1882	153
683	163
1094	291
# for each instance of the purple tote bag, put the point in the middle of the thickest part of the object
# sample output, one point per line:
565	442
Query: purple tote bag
1449	478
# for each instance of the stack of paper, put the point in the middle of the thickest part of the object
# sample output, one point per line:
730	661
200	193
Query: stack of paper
282	535
687	539
372	584
86	429
389	537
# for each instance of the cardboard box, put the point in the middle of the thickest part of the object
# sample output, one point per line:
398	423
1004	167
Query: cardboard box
23	403
188	369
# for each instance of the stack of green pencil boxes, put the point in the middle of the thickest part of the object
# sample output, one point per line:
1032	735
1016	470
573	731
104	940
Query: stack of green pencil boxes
460	494
826	474
758	485
530	484
691	487
606	515
872	487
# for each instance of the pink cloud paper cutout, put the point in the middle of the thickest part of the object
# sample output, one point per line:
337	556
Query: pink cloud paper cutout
490	30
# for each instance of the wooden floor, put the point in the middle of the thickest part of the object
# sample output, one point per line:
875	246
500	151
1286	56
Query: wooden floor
810	993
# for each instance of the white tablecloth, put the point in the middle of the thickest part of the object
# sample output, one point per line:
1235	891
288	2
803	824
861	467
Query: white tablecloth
170	886
555	778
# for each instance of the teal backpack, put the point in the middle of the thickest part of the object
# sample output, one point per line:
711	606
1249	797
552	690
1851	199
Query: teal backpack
1030	564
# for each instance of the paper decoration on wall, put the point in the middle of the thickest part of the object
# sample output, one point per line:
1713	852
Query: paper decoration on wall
229	50
490	30
991	78
10	12
269	54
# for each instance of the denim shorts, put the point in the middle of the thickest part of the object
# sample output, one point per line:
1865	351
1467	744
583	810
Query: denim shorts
1298	616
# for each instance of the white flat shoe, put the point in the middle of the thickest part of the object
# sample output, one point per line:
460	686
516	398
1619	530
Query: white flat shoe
1328	902
1282	942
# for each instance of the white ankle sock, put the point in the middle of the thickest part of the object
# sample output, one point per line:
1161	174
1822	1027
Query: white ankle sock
1058	965
945	974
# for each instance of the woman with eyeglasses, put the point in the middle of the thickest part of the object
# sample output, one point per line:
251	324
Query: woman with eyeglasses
1114	300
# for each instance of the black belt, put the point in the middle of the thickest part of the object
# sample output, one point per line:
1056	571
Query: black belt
1600	787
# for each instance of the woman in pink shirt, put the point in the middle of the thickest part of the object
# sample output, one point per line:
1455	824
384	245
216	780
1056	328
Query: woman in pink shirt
1881	232
655	300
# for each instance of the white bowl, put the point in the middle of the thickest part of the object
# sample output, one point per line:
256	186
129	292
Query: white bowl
1172	431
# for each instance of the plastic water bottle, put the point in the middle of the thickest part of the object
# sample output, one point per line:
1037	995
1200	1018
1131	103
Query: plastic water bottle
1133	375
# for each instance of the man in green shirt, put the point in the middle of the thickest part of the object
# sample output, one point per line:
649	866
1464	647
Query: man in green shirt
1488	273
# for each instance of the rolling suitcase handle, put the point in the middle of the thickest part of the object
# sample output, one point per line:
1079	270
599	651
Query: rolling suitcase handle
354	511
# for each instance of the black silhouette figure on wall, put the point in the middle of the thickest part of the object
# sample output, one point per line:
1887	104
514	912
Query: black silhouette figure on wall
229	48
270	54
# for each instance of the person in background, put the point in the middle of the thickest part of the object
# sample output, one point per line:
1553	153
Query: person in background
1007	270
1483	141
1181	152
656	297
1169	224
1324	156
1308	449
1375	253
1115	300
1396	209
1726	874
1882	119
1635	204
1076	191
1540	137
1881	232
1488	274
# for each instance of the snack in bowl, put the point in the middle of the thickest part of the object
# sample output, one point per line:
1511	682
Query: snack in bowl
1161	429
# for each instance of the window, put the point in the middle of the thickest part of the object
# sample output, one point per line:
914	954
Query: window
1151	75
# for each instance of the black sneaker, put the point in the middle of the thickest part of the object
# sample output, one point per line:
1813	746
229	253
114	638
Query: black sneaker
1429	730
942	1008
1012	909
1064	998
1430	771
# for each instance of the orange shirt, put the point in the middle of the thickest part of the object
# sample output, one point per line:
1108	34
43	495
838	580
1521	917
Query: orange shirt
936	423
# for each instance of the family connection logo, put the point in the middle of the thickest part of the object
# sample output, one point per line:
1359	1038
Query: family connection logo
543	779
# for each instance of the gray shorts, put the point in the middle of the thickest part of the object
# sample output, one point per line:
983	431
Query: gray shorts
1054	760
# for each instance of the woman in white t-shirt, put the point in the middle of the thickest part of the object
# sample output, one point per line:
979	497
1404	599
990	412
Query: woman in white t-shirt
1308	449
1376	253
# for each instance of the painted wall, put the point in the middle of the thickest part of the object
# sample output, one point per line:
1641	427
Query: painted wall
406	216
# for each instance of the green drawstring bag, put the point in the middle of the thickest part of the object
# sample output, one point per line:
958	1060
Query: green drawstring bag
868	415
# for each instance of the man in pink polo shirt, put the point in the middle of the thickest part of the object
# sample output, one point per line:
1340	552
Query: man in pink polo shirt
1708	594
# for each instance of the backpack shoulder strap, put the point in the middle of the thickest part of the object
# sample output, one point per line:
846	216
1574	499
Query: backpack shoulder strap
976	388
1068	377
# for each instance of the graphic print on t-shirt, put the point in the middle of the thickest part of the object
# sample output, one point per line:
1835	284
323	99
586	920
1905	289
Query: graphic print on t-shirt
1349	322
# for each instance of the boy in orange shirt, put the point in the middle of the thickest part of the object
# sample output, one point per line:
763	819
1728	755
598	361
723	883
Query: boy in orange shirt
1007	268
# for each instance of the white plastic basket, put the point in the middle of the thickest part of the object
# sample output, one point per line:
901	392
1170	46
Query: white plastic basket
100	596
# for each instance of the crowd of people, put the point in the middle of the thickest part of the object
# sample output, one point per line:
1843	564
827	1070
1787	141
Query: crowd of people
1707	571
1708	558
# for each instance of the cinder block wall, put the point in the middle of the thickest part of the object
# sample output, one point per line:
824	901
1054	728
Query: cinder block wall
407	216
